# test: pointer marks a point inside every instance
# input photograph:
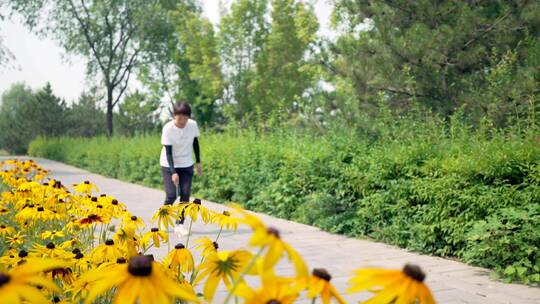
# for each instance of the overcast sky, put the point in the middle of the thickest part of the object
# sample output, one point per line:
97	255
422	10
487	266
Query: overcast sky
40	60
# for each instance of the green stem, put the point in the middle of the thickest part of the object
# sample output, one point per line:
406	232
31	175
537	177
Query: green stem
189	232
219	233
241	276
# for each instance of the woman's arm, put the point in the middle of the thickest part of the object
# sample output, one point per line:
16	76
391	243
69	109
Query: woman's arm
168	152
197	150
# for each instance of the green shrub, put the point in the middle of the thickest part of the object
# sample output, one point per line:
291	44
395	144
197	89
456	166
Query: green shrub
427	186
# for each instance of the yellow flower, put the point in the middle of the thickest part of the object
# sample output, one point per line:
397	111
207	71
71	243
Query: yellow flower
223	266
193	209
206	245
132	221
91	219
6	230
50	251
114	207
65	274
86	187
393	286
155	234
52	234
273	290
11	258
225	220
107	252
165	217
179	259
270	239
18	284
127	238
319	285
140	281
17	239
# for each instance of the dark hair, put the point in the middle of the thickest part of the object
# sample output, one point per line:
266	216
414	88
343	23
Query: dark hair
182	108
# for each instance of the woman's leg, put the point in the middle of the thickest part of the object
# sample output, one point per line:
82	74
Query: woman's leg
186	177
170	187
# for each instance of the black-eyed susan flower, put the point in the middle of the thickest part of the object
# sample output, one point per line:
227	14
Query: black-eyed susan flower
405	286
179	259
141	280
10	258
165	217
115	208
223	266
269	237
18	285
193	209
6	230
107	252
51	234
319	285
50	251
91	219
16	240
128	239
206	245
225	220
132	222
64	274
86	187
156	235
272	290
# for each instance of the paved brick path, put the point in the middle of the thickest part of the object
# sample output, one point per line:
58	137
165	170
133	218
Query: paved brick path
450	281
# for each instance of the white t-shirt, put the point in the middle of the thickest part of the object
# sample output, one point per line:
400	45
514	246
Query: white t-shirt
181	140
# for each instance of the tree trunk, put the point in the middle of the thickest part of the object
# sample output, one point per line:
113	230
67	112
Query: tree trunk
109	111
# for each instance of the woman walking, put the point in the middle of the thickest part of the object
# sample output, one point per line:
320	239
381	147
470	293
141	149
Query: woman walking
180	138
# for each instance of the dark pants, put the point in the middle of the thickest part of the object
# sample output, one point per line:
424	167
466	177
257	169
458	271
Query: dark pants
184	187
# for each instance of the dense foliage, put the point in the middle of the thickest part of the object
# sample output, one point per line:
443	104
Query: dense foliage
432	187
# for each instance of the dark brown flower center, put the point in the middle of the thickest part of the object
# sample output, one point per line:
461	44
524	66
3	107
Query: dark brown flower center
273	302
40	209
87	182
79	255
179	246
4	278
114	202
226	213
93	199
273	231
75	251
322	273
154	229
23	253
120	261
109	242
140	266
215	245
414	272
50	246
134	218
197	201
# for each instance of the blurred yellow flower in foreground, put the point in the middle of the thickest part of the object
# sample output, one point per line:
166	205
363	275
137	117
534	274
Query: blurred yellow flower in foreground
19	283
141	280
393	286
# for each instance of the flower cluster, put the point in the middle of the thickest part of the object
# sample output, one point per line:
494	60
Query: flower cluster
60	246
